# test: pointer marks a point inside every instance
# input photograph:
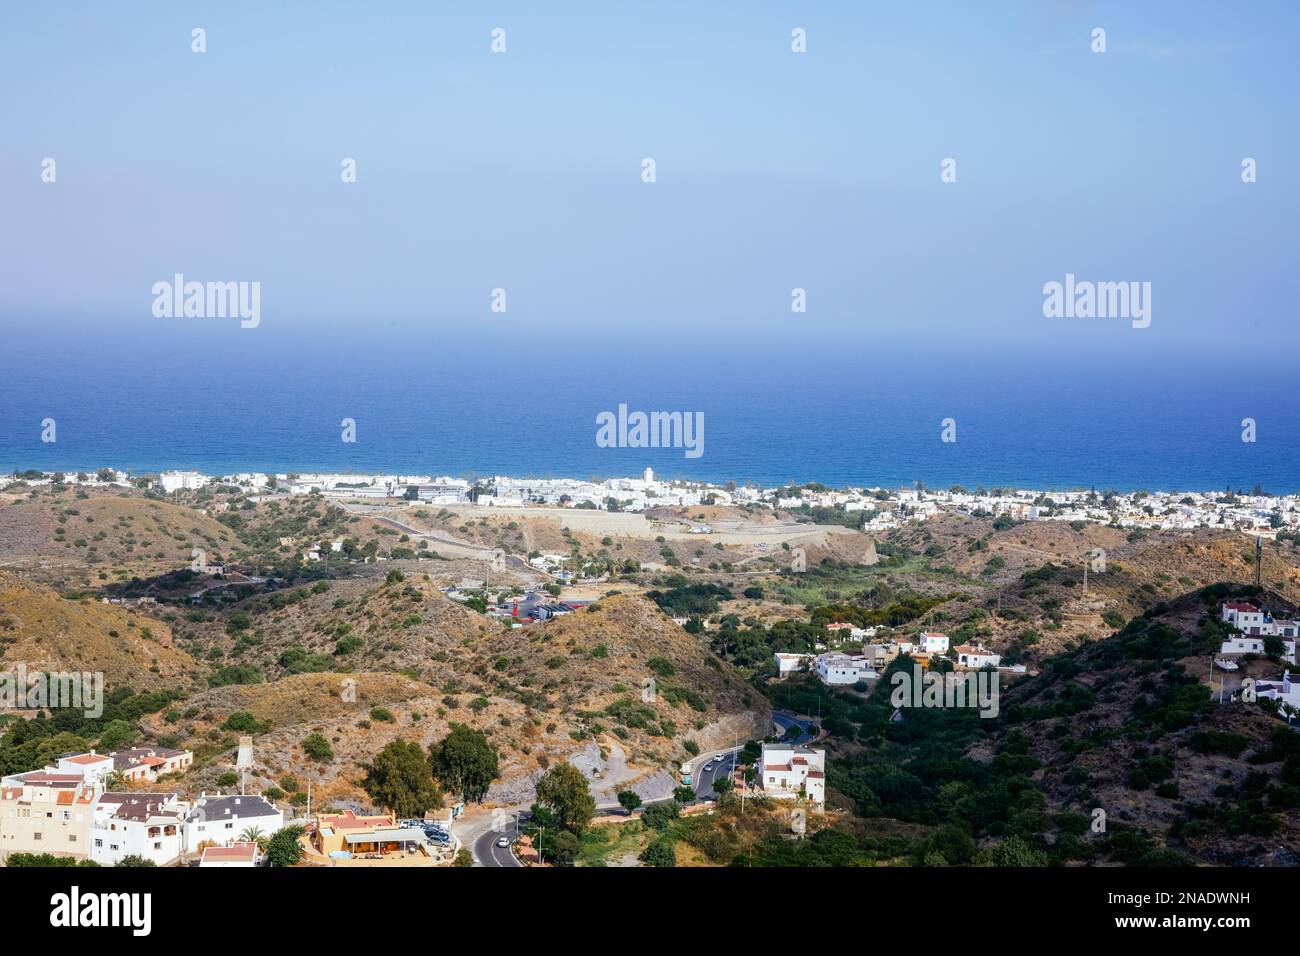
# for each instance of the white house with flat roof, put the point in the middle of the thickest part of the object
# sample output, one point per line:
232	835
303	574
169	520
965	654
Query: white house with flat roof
790	771
974	656
932	642
171	481
842	669
787	664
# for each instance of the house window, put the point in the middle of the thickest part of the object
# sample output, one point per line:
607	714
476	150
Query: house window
99	843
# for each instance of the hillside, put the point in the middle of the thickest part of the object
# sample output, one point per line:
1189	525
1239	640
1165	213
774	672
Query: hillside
365	622
49	632
541	694
70	539
1024	584
1127	724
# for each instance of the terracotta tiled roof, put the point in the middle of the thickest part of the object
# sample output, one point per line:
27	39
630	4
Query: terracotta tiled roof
240	851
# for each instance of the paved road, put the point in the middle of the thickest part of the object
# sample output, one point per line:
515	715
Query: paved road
702	780
487	853
785	720
472	550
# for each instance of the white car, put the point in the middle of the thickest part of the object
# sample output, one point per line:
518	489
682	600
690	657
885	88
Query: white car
708	766
719	757
503	842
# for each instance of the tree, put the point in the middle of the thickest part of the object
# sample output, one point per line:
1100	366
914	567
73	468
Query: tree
283	848
45	860
660	852
117	735
564	847
683	795
254	835
463	858
134	859
400	779
563	791
318	748
722	785
1016	852
630	800
465	763
658	815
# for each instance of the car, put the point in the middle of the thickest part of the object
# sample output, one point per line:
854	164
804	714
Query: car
708	766
503	842
719	757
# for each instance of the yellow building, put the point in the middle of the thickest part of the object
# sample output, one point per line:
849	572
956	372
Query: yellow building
346	831
47	813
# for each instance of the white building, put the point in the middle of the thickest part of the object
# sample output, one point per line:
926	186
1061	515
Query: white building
149	763
1285	690
842	669
1255	645
236	855
93	767
975	657
134	765
147	825
787	664
932	642
177	480
788	771
220	820
1251	620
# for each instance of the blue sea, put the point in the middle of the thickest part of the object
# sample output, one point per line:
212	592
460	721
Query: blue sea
488	400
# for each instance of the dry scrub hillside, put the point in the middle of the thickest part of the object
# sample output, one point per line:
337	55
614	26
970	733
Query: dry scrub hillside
1127	724
48	632
73	541
1023	585
360	623
539	693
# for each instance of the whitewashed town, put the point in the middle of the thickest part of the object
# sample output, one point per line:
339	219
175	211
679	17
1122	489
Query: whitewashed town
881	509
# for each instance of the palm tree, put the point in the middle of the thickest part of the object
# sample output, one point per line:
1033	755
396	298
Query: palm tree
254	835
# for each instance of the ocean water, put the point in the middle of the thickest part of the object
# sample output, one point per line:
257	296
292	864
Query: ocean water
486	402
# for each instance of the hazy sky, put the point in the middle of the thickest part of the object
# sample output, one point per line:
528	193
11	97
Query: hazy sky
775	170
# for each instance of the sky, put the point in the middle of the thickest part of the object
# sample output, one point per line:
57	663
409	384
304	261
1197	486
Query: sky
774	170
